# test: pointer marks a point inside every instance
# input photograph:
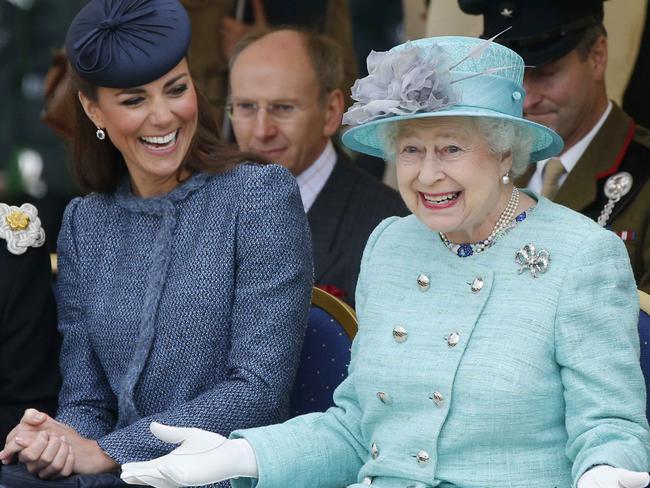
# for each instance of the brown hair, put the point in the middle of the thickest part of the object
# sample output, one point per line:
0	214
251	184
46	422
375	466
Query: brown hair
99	166
589	38
323	52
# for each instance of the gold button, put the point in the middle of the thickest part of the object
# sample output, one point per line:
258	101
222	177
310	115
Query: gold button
400	334
17	220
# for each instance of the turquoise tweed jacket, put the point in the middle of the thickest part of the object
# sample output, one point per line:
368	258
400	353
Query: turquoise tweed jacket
188	308
526	383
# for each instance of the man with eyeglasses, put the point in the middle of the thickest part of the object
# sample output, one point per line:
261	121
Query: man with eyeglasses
286	106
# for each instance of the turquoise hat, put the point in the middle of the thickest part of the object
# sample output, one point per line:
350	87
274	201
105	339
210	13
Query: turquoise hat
441	77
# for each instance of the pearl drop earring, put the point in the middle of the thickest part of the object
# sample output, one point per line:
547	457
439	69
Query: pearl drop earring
505	179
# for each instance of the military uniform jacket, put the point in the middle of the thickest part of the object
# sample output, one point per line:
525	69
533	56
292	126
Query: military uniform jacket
487	378
29	341
620	145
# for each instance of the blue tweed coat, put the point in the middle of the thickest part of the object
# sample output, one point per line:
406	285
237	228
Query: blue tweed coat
188	309
543	382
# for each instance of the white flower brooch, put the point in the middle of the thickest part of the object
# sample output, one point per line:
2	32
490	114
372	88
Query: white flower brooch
20	227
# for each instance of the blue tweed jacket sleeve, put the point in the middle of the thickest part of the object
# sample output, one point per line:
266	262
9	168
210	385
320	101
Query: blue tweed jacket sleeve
86	401
229	321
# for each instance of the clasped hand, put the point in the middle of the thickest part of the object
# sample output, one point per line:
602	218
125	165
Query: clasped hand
202	458
50	449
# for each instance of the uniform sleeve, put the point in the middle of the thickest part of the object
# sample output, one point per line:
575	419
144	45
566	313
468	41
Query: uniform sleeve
29	341
319	449
597	348
86	401
274	276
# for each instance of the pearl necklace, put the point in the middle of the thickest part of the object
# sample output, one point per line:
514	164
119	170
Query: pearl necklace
506	217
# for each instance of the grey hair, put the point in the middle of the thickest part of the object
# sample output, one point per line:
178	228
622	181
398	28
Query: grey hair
502	136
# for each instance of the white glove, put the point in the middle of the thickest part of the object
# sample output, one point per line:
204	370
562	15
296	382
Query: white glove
608	477
202	458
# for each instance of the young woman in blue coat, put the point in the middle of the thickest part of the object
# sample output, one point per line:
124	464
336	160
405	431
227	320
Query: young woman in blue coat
184	278
497	342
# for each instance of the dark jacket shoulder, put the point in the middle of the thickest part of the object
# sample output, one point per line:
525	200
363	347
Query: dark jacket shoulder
29	341
348	208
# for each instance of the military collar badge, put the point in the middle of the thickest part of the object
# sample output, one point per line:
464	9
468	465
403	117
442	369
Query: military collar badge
20	227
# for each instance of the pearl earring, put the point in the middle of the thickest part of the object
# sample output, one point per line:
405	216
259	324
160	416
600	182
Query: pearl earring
505	179
101	135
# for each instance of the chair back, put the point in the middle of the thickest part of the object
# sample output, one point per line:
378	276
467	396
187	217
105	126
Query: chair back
331	327
644	338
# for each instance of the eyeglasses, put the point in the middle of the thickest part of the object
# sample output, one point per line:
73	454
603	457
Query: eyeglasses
280	111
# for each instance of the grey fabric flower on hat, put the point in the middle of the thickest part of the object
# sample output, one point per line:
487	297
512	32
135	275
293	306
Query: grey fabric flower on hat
402	82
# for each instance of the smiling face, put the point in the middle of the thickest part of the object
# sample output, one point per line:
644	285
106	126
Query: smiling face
279	110
448	177
151	125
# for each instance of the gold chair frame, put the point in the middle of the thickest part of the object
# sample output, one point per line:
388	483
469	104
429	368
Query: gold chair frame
337	308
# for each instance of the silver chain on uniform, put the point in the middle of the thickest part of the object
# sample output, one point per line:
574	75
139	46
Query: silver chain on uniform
616	187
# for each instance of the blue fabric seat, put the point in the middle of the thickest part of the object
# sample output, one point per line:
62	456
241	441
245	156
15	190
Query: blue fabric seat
644	337
325	355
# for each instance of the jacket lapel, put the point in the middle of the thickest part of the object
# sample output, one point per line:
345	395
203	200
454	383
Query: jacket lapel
326	215
579	190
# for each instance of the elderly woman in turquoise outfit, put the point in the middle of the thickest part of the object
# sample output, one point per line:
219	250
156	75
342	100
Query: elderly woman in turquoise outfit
184	277
497	341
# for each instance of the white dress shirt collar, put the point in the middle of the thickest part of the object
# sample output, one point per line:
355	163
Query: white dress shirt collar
313	179
571	156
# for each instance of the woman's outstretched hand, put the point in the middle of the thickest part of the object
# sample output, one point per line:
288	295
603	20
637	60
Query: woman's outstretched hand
202	458
609	477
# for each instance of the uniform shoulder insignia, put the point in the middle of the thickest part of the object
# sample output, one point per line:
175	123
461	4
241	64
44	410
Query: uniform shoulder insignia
642	136
20	227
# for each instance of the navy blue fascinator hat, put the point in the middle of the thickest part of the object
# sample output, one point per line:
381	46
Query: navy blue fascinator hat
127	43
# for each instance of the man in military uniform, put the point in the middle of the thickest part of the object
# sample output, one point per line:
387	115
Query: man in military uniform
29	341
604	169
